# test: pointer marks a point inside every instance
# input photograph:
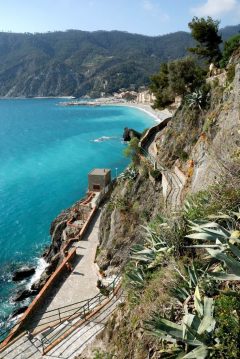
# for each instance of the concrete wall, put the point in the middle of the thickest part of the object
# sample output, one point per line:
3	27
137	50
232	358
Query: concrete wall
101	180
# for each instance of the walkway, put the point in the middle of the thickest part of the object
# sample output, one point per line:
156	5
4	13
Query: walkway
68	338
173	182
81	283
73	345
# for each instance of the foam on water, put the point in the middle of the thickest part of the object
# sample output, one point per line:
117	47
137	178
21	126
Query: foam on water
41	266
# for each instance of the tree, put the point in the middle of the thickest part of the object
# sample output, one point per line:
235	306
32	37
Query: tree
133	150
175	78
205	32
160	87
229	47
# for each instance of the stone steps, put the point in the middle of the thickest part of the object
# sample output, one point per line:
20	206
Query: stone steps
23	348
30	347
77	341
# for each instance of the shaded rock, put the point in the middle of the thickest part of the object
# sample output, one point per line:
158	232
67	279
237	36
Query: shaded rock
19	311
129	133
23	273
47	272
38	285
24	294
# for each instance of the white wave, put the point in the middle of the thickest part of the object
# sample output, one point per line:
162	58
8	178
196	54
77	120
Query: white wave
104	138
41	266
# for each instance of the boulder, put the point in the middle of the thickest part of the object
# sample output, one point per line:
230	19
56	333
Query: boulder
23	273
38	285
129	133
19	311
24	294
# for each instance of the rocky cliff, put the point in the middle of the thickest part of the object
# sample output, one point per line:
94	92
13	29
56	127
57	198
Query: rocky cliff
201	144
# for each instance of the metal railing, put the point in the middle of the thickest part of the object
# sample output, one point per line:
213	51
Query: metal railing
52	319
52	334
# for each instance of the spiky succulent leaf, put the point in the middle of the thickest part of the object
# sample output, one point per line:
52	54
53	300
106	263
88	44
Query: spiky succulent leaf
197	302
200	352
231	263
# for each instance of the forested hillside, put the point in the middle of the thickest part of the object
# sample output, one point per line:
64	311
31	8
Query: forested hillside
79	63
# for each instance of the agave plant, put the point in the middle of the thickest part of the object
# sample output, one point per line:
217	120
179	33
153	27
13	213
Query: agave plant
136	277
191	278
153	250
128	174
196	99
193	338
221	244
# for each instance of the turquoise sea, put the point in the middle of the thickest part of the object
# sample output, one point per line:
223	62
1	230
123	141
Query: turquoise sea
46	151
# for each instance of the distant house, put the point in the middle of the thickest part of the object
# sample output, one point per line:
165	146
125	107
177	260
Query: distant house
145	96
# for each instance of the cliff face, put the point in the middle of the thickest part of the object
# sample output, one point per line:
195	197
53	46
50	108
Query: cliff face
133	203
204	144
136	202
212	156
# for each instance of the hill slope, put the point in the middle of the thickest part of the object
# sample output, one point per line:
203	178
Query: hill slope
78	62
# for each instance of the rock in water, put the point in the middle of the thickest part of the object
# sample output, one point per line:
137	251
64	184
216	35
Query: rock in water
23	273
23	294
19	311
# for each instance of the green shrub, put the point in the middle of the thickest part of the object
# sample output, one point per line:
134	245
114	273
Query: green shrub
227	311
176	78
156	174
98	354
231	73
229	47
133	150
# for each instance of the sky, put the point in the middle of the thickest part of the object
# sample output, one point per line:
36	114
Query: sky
149	17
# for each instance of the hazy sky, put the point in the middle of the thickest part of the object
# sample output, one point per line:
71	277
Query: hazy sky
151	17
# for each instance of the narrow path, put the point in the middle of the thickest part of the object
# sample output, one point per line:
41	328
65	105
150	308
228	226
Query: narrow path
78	286
172	182
31	348
81	283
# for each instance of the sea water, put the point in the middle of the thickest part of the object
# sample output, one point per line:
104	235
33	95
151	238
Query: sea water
46	152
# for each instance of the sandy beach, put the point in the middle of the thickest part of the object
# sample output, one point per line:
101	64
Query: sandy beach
159	115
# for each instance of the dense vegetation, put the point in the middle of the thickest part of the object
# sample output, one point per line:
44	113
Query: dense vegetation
186	77
78	63
176	78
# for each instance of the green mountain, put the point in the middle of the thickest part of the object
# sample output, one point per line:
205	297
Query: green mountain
79	62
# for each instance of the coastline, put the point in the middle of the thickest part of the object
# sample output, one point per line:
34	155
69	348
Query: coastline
158	115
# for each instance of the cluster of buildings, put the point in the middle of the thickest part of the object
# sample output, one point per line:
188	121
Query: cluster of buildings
144	95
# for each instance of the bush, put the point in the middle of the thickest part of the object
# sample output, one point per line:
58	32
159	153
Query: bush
229	47
176	78
102	355
133	150
231	73
156	174
227	310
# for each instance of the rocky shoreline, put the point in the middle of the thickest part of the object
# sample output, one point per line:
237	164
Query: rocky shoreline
53	255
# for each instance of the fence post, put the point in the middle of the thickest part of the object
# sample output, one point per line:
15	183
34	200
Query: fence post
42	346
59	315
